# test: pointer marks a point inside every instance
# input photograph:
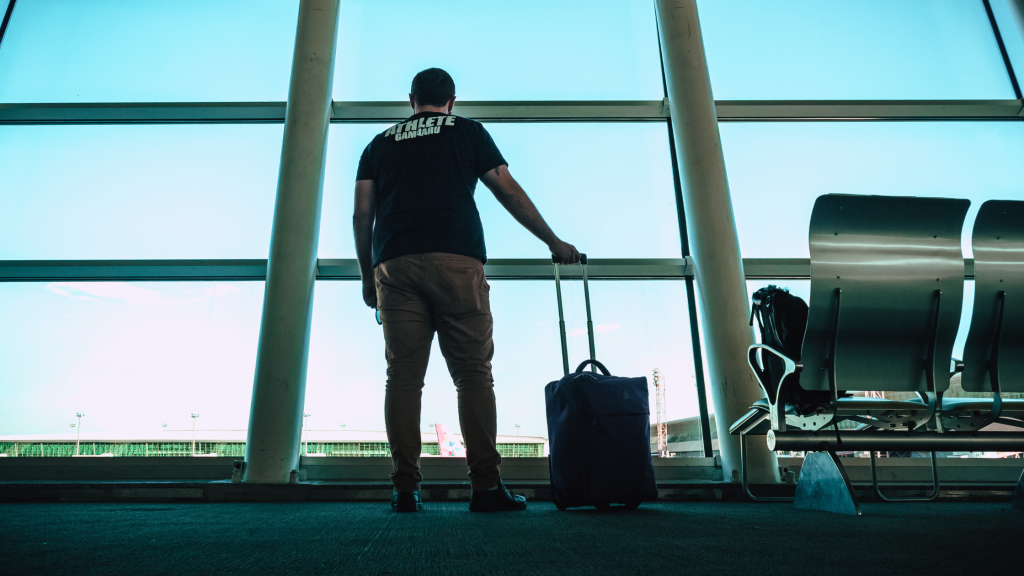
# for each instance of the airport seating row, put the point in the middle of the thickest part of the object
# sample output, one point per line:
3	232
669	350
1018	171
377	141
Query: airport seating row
887	290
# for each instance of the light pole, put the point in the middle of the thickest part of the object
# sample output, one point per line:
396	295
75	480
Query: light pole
305	441
194	416
78	440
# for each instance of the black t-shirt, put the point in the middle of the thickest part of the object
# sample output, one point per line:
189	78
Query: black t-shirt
425	170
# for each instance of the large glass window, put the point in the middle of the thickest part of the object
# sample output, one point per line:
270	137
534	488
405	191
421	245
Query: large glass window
526	50
607	188
131	356
153	51
870	49
777	170
639	326
136	192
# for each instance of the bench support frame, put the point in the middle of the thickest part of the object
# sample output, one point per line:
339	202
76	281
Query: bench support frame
743	468
824	485
1018	494
878	491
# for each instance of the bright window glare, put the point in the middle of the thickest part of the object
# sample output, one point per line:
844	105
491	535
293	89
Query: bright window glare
157	50
607	188
639	326
524	50
132	356
137	192
869	49
777	170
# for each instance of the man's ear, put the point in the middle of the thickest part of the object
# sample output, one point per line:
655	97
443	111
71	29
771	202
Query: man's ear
451	104
412	102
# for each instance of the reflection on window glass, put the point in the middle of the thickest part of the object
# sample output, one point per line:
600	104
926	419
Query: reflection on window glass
607	188
639	326
870	49
526	50
131	356
137	192
777	170
153	51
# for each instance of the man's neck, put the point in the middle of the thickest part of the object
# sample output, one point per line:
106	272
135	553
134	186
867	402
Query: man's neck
417	108
438	109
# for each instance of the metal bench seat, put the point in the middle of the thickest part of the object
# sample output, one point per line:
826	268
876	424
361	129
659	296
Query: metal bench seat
846	406
887	281
970	414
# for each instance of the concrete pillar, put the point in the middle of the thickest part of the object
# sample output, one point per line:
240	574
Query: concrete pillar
279	388
714	246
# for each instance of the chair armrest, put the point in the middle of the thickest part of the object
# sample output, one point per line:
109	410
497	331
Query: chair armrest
749	420
791	368
777	415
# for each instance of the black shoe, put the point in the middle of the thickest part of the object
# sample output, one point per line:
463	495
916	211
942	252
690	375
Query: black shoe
499	500
406	501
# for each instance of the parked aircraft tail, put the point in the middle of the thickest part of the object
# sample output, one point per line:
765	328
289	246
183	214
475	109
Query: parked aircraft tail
449	445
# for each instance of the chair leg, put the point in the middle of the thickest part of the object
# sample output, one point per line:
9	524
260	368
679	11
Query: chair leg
743	476
878	491
1018	494
824	485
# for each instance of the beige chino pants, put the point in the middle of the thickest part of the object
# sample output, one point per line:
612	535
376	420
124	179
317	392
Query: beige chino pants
418	295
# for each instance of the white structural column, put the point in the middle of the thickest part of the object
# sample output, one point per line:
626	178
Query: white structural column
1017	7
711	227
279	388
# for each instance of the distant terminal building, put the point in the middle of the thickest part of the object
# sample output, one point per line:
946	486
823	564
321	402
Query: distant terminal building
684	438
232	443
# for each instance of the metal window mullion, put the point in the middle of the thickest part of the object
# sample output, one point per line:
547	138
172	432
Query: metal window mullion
7	21
1002	48
347	269
526	111
697	350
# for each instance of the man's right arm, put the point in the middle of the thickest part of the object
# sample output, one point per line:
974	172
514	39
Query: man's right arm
362	227
512	196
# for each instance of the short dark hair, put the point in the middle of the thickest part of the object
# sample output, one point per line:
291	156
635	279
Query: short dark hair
432	87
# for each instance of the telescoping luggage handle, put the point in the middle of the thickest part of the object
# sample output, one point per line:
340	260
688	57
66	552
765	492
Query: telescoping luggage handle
561	315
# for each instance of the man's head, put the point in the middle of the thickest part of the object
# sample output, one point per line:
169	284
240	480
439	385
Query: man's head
432	88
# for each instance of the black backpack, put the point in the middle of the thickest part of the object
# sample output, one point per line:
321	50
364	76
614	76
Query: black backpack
782	319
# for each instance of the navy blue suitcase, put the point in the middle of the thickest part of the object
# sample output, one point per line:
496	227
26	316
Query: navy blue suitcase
599	431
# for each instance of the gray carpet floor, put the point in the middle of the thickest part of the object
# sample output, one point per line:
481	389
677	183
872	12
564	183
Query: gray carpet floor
367	538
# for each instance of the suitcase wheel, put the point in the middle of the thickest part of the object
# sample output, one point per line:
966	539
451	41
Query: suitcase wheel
561	506
632	505
603	506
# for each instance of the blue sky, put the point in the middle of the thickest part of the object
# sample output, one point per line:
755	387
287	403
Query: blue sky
135	355
194	50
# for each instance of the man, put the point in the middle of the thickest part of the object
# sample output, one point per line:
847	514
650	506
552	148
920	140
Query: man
421	252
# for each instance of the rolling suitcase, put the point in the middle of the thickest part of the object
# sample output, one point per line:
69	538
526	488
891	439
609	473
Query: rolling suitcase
599	430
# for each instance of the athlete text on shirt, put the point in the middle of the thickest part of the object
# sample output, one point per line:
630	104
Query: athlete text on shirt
420	127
